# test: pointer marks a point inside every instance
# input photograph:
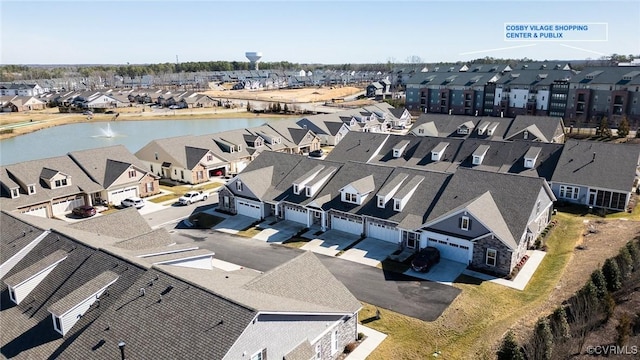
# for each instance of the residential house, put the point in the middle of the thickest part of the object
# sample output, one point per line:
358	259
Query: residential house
329	129
186	159
119	173
23	103
536	128
74	296
47	187
596	174
20	89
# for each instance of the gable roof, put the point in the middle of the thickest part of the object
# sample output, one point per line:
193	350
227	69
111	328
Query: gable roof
105	165
598	164
545	128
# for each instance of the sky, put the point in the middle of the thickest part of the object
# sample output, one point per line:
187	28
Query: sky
301	31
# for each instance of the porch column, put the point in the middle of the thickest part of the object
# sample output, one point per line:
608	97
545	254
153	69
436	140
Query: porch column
323	222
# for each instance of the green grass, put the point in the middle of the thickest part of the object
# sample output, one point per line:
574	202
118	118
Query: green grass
483	311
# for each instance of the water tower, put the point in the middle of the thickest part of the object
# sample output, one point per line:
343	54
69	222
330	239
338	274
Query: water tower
254	58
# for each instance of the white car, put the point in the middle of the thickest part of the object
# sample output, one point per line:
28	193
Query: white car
191	197
132	201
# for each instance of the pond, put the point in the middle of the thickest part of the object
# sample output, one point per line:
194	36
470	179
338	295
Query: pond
60	140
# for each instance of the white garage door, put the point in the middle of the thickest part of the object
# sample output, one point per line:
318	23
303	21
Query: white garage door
66	205
347	225
454	249
117	196
297	215
248	209
383	232
37	211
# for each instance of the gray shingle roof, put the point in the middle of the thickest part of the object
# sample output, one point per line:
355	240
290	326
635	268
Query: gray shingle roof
84	291
304	351
598	164
546	126
269	165
123	224
105	165
15	235
18	278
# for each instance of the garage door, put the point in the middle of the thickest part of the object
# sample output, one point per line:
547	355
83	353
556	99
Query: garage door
37	211
347	225
383	232
453	249
248	209
298	215
66	205
117	196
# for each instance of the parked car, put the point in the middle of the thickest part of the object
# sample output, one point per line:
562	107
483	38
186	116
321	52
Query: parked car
132	201
84	211
425	259
87	112
191	197
316	153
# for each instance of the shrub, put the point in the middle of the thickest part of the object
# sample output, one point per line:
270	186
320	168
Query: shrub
509	349
635	254
350	347
360	336
625	262
543	333
611	273
623	329
559	324
609	305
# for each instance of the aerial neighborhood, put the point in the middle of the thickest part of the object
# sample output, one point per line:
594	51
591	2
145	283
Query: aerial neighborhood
475	163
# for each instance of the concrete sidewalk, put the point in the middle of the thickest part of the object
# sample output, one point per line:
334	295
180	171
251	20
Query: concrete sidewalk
523	277
373	340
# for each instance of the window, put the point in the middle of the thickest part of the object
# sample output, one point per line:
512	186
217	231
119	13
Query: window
349	197
61	182
225	201
334	341
32	189
15	193
132	173
209	157
380	202
569	192
260	355
239	185
57	324
420	131
12	295
151	167
492	256
182	174
308	190
295	189
200	175
396	205
149	186
465	223
156	156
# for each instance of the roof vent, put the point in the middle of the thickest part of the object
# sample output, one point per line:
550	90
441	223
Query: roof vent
141	291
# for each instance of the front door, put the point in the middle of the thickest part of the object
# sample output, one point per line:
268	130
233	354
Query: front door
592	197
317	218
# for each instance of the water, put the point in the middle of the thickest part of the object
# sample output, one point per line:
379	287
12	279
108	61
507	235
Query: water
60	140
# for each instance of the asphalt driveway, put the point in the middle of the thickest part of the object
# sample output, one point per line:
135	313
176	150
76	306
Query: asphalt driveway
401	293
277	232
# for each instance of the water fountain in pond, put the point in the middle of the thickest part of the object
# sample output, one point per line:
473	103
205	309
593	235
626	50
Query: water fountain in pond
107	132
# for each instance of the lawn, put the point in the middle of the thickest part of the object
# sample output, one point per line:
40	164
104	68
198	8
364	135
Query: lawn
478	317
177	191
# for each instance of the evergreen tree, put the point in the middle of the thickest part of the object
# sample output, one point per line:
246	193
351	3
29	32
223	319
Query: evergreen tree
623	127
509	349
635	254
625	262
560	325
248	106
611	273
600	282
545	339
605	131
286	109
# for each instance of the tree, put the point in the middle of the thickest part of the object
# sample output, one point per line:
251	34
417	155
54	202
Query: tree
559	324
509	349
540	345
635	254
623	127
286	108
600	283
625	263
248	106
611	273
605	131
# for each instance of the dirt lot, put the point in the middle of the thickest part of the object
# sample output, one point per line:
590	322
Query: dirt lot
304	95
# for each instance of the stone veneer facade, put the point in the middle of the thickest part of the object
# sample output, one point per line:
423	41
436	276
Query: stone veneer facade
347	333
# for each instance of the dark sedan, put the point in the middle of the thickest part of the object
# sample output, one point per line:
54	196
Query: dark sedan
84	211
425	259
316	153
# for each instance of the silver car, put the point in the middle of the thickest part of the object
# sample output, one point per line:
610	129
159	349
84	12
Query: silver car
132	201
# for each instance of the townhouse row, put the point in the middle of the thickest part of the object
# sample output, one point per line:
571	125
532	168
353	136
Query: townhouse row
481	202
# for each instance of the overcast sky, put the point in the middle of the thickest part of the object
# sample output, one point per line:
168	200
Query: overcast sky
349	31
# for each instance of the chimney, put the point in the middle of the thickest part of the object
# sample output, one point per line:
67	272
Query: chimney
121	346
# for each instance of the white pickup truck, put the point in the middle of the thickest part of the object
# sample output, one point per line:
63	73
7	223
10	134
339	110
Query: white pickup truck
191	197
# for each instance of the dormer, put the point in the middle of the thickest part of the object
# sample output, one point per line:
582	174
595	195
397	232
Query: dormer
438	151
478	155
270	139
492	128
483	127
299	183
398	150
22	283
389	189
31	189
55	179
66	312
357	191
402	197
592	75
531	157
630	75
313	185
465	128
15	192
